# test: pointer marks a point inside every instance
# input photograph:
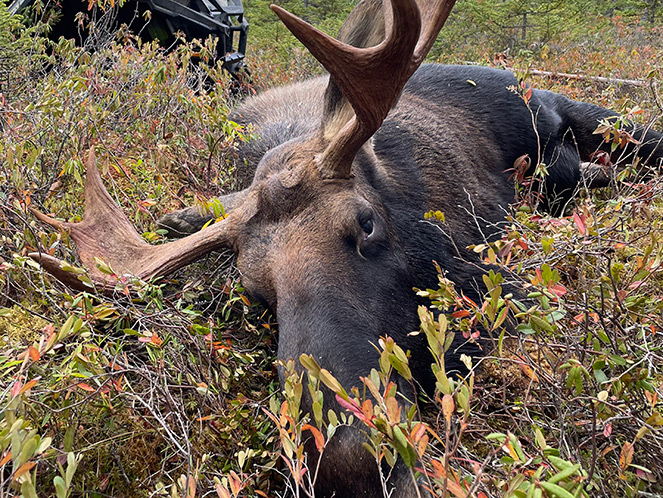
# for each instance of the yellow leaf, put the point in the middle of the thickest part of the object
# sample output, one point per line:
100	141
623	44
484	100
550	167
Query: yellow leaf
330	381
448	407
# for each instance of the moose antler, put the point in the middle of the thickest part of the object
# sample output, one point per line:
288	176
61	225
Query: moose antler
106	235
371	79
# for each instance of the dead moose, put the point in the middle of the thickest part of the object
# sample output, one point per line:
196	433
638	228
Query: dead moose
330	233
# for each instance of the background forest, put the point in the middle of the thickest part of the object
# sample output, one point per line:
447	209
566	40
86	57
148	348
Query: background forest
171	391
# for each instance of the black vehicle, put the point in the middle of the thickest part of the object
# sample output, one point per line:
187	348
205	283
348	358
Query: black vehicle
195	18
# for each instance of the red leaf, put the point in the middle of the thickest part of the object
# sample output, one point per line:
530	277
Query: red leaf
501	318
607	430
17	388
580	223
558	289
470	302
349	405
86	387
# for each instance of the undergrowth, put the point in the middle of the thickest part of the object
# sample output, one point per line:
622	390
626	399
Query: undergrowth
173	392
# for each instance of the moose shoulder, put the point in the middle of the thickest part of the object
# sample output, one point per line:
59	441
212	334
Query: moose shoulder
331	232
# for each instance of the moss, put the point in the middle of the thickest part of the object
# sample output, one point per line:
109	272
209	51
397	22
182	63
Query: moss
19	326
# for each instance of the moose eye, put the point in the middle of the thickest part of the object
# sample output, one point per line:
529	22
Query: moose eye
371	239
367	226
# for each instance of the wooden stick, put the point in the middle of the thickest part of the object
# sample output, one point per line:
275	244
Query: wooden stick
570	76
583	77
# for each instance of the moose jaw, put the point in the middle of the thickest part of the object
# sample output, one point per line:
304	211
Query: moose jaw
329	233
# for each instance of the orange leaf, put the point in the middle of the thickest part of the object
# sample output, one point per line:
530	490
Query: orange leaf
155	339
34	353
29	385
222	491
367	410
5	459
422	444
460	314
23	469
235	483
511	451
86	387
626	455
317	435
527	370
607	450
418	431
440	473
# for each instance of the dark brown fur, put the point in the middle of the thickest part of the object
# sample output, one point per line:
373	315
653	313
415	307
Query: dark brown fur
337	283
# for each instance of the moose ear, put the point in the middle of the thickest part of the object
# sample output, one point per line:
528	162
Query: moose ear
364	27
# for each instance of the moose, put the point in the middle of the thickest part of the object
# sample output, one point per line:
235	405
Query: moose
330	233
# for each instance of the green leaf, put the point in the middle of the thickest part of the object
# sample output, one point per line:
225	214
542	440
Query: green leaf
72	465
28	489
567	472
556	490
400	366
60	488
28	449
68	442
540	323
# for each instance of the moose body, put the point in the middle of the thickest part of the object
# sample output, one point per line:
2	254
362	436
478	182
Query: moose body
331	233
447	145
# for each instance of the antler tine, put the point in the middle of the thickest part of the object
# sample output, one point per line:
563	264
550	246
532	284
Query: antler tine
371	79
107	234
436	14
